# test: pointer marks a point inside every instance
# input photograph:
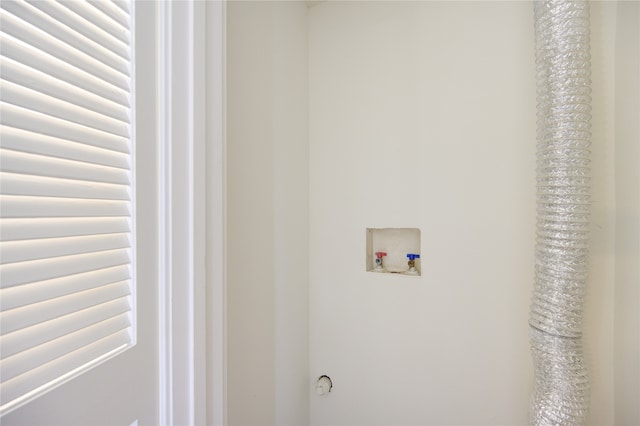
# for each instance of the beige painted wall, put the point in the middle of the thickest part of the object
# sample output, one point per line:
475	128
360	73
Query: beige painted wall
599	306
423	115
267	213
419	114
627	249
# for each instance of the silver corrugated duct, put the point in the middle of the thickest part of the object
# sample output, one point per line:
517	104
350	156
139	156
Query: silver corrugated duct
561	395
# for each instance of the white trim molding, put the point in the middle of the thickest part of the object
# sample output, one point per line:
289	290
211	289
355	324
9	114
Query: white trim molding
164	199
216	207
191	128
177	174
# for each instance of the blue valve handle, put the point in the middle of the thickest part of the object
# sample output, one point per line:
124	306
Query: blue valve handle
413	256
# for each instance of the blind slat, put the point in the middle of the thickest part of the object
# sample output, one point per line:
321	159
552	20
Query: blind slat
39	270
112	11
22	295
58	371
66	34
33	121
43	62
39	165
20	229
33	358
97	17
18	184
123	5
13	206
37	313
35	101
42	41
84	27
13	343
17	73
26	250
36	143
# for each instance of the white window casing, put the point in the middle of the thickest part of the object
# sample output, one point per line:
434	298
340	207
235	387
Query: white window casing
66	191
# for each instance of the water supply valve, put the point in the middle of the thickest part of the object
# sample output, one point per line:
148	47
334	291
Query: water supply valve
379	256
412	263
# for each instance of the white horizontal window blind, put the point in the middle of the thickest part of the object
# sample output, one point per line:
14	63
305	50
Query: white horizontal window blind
66	191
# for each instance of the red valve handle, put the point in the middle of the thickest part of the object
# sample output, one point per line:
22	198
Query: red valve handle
380	254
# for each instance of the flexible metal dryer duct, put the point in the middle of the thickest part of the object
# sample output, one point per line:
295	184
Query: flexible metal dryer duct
561	395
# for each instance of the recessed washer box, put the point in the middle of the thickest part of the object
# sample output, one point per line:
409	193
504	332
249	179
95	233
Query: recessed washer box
395	244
